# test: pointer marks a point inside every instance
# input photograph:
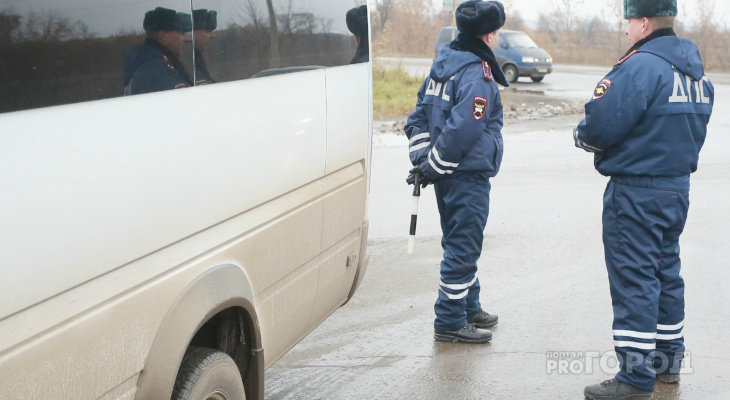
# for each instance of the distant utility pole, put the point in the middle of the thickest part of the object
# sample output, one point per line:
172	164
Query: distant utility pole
450	5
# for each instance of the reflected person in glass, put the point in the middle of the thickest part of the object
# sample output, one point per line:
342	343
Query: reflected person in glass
204	24
357	23
155	65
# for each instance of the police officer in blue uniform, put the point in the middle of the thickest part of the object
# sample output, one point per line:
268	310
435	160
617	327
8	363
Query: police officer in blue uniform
204	24
646	124
456	144
155	65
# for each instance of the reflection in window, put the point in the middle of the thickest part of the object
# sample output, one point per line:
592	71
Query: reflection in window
54	52
204	24
357	23
60	52
155	65
255	38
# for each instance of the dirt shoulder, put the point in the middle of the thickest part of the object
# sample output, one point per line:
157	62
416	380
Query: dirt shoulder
521	104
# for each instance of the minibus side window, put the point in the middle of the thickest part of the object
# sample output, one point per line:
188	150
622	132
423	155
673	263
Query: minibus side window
62	52
241	39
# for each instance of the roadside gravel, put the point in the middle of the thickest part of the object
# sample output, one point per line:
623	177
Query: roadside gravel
519	105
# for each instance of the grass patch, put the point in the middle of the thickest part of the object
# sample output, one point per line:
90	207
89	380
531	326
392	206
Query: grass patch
394	92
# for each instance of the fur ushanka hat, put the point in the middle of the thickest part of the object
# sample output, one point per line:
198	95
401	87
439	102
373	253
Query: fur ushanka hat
204	19
165	19
650	8
357	20
476	17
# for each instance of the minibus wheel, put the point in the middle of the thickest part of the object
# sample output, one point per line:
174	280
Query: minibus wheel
208	374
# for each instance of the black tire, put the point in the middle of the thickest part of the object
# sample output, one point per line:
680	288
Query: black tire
537	78
208	374
510	73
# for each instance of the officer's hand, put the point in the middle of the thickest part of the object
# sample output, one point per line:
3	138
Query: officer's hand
422	178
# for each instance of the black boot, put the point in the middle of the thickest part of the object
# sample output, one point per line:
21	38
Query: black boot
467	334
483	320
613	389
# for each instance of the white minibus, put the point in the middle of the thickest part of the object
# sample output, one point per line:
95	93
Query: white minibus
183	190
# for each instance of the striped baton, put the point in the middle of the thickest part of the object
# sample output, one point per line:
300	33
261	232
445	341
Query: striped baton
414	214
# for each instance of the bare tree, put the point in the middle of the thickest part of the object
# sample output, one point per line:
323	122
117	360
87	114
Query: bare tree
411	28
547	25
725	63
250	9
416	8
49	26
680	26
383	12
285	19
705	30
566	13
515	21
326	24
513	16
613	15
9	23
596	41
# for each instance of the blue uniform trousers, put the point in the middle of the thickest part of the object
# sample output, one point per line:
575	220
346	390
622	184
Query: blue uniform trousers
643	218
463	203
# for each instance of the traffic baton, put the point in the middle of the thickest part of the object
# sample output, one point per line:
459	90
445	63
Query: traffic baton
414	214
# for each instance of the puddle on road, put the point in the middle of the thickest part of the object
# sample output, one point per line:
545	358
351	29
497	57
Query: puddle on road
528	91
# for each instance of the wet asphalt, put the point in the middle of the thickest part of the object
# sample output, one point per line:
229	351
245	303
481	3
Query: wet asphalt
541	270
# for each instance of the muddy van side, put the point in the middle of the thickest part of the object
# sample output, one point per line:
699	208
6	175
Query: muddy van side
201	230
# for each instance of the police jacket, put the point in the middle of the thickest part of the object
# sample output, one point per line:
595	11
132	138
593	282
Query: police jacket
456	125
151	67
649	115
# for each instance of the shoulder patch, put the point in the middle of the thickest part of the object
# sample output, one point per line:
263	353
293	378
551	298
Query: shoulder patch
601	89
488	76
167	62
479	107
621	61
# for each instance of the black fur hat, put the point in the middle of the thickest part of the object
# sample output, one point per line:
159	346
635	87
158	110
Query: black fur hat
164	19
476	17
649	8
357	20
204	19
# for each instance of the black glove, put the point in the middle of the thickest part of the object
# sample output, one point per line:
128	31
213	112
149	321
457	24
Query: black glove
422	178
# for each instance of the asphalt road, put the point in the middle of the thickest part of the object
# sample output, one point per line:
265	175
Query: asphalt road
541	270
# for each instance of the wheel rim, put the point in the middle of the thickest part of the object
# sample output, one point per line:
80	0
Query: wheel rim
217	396
509	74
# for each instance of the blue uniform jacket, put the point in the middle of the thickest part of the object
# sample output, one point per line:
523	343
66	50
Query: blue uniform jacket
149	68
457	123
649	115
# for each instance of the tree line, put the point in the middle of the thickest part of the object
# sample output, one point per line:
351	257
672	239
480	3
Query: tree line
410	27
